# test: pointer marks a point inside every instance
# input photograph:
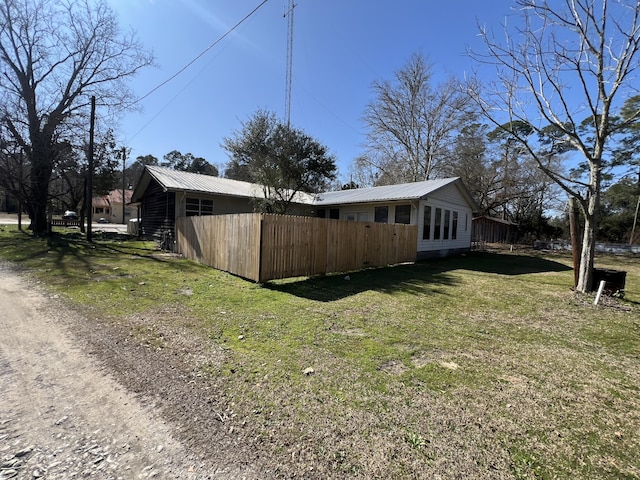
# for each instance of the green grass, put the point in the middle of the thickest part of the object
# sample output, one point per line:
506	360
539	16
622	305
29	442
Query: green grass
479	366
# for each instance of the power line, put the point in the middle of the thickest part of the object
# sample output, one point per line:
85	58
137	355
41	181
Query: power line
195	59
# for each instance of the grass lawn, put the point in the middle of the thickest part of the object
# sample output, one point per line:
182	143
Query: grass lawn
479	366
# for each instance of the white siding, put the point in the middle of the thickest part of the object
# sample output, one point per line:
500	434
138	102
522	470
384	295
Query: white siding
348	212
447	199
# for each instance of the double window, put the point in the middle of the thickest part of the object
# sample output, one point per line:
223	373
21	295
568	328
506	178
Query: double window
358	216
198	206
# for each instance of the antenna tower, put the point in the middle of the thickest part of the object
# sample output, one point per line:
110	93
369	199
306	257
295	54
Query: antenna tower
287	98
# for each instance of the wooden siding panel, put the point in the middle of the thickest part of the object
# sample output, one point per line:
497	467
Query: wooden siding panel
157	212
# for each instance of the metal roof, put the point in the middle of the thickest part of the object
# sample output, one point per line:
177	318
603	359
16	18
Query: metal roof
403	191
175	180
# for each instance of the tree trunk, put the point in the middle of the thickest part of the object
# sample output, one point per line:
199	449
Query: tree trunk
39	198
42	158
590	210
585	277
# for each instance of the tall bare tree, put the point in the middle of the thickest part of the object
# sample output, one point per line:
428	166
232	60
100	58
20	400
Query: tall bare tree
55	55
568	60
411	122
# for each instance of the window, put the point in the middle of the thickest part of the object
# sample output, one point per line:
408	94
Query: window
454	226
198	206
447	221
359	216
206	207
403	214
426	228
381	215
438	222
321	213
334	213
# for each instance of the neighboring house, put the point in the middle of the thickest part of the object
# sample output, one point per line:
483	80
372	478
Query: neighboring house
493	230
442	209
110	206
164	195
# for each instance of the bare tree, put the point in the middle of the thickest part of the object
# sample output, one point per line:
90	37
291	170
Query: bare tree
568	60
55	55
411	123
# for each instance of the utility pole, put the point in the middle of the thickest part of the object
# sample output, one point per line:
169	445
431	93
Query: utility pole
89	207
124	162
289	77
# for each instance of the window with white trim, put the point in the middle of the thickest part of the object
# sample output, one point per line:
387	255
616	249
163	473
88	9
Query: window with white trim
403	214
426	228
437	224
447	222
358	216
381	214
454	226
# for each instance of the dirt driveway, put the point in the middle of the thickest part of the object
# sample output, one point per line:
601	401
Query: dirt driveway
63	414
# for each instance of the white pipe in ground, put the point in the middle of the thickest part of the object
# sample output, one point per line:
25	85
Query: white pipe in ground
599	294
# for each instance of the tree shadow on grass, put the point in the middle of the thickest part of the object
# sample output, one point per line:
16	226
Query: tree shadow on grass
414	278
505	264
70	253
421	278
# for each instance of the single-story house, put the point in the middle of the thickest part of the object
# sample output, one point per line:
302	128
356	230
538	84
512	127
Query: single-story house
441	208
110	207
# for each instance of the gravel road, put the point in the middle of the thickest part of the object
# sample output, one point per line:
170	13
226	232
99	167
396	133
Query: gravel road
63	412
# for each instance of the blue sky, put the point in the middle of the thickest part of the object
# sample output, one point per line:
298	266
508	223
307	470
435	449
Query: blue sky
340	48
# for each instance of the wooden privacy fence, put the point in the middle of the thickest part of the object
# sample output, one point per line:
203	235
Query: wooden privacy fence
264	247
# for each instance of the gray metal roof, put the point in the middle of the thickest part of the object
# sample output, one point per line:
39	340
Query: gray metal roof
403	191
193	182
175	180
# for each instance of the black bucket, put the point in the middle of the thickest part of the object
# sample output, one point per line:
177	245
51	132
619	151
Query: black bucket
614	281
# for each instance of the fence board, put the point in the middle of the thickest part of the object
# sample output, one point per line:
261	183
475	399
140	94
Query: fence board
264	247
